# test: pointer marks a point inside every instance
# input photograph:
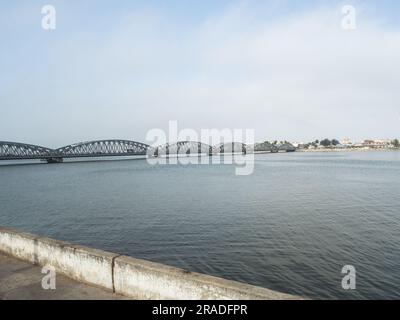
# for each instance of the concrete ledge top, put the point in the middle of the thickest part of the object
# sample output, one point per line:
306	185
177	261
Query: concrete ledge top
12	231
76	248
57	243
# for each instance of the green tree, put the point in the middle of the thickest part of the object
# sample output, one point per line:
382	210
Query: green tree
335	142
396	143
326	142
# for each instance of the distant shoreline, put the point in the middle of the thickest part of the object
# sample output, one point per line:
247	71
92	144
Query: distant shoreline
347	150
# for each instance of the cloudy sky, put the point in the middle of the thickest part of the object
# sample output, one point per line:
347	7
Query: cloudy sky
116	69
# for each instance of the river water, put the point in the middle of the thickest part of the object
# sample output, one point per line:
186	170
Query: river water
290	226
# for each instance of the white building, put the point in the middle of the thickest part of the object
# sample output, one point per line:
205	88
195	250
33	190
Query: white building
346	142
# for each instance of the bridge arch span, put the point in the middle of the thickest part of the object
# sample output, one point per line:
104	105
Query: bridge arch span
100	148
232	147
182	147
287	146
16	150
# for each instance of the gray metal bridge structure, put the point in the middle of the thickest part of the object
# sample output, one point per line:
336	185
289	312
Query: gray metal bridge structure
115	148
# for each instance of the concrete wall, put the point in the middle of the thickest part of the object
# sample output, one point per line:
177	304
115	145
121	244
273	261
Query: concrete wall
124	275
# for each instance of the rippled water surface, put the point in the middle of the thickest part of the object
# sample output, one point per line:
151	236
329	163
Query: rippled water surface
290	226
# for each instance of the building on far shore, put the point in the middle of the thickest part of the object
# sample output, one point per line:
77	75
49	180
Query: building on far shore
346	142
376	143
298	144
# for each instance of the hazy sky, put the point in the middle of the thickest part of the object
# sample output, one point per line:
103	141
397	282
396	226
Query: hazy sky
115	69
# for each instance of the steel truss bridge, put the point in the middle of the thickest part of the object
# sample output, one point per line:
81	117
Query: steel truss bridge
112	148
